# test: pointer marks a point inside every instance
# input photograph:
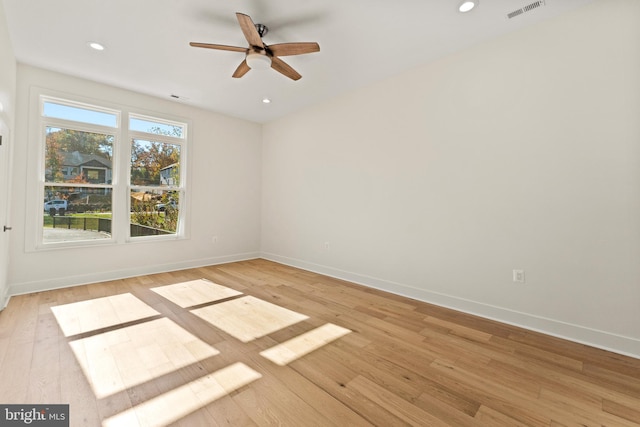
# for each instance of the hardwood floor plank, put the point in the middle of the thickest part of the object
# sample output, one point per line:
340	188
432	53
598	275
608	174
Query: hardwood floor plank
15	367
224	412
331	377
623	383
450	415
393	403
44	372
9	318
146	358
459	330
490	417
395	379
76	392
419	371
488	392
573	411
622	410
25	328
573	384
285	408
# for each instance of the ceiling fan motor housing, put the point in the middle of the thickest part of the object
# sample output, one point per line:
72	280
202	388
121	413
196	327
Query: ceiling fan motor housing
262	29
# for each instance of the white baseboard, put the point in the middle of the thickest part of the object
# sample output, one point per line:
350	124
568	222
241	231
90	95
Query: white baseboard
595	338
103	276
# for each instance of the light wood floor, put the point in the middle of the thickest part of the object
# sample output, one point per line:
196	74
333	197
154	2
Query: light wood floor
258	343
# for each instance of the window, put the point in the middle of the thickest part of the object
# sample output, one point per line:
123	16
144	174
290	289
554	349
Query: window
79	113
79	143
96	189
156	187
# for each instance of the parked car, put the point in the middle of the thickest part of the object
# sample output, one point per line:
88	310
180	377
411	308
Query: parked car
56	206
161	207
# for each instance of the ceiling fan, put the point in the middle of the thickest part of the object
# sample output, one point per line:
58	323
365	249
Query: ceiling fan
258	54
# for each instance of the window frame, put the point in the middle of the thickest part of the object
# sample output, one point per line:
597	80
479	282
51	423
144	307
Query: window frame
181	231
121	167
45	122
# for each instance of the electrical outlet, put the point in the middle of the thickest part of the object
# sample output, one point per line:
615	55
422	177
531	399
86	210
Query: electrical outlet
518	276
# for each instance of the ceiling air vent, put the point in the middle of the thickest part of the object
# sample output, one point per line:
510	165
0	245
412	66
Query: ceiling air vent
528	8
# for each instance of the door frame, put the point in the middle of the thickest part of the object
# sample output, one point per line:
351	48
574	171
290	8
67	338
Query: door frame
5	197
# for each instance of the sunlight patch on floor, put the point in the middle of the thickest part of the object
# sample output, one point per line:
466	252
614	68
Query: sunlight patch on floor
116	360
248	318
98	313
296	347
169	407
122	343
194	292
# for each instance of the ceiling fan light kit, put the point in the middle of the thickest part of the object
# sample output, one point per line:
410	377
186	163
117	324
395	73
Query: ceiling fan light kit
260	56
258	61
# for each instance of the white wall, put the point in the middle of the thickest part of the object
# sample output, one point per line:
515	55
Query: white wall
520	153
7	71
7	115
225	172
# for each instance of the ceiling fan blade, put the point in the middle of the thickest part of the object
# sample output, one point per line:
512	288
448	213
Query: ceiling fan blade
282	67
249	30
288	49
219	47
242	69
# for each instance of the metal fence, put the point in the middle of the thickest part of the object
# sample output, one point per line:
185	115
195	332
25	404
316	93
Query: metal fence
102	225
142	230
80	223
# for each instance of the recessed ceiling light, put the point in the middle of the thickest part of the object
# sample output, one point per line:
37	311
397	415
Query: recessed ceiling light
96	46
266	101
467	5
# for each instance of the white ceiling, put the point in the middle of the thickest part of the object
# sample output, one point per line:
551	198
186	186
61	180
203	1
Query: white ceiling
147	44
